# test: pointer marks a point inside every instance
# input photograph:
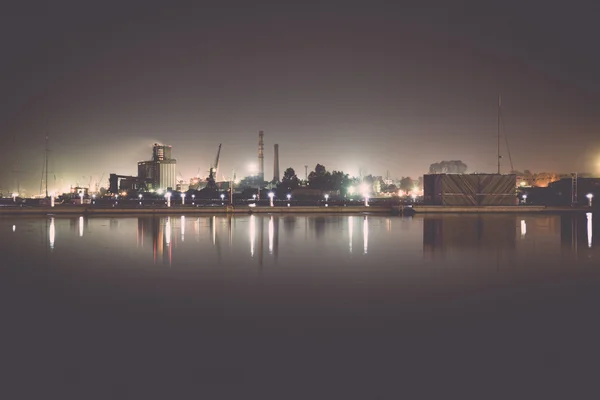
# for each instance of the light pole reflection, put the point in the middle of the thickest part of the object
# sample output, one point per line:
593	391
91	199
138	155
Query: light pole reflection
51	233
365	234
350	232
589	229
168	231
81	226
271	234
213	226
252	234
523	228
182	228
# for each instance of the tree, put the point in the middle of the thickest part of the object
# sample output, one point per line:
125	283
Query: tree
288	183
448	167
406	184
319	178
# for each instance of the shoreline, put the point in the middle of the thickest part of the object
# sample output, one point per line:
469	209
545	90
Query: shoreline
228	210
90	210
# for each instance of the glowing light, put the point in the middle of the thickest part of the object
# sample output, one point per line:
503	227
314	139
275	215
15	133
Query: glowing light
140	196
326	197
14	228
589	196
81	226
523	228
271	194
289	196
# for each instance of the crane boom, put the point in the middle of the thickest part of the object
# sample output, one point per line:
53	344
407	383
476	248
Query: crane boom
217	160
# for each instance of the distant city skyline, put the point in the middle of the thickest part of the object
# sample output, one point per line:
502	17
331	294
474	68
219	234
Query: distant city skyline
354	86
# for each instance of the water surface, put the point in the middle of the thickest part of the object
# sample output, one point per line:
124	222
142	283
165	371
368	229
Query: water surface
300	306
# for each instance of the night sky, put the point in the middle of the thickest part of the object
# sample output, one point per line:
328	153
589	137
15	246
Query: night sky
370	85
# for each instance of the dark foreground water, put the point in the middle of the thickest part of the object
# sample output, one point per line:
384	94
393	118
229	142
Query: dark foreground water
300	307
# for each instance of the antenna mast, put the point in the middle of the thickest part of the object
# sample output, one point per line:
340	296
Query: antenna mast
499	106
46	166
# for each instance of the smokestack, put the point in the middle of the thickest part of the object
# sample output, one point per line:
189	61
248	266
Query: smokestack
276	164
261	159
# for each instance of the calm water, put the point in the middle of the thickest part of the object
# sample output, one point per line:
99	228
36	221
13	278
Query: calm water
298	307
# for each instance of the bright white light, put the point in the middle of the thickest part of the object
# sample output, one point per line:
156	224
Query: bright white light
14	228
80	226
222	196
140	196
193	196
168	194
289	196
589	196
160	191
182	194
523	228
94	196
271	194
326	197
364	189
254	197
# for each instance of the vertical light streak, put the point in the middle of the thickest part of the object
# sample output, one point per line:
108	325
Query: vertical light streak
252	234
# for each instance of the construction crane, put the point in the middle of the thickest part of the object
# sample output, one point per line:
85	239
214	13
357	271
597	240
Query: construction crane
211	184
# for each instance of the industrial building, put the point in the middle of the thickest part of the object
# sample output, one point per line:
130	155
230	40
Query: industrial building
156	174
160	171
470	189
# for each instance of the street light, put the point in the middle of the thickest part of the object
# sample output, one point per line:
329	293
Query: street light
193	198
140	197
326	198
222	198
289	196
253	197
525	199
271	198
589	196
182	198
168	197
81	197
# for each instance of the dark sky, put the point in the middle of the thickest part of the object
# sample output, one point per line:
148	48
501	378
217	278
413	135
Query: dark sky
377	86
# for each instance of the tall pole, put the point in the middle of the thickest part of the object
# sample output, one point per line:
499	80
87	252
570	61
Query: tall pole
499	106
46	166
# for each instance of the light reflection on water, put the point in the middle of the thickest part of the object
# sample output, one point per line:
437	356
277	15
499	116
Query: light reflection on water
316	240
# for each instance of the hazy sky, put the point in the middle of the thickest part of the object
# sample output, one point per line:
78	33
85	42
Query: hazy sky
368	85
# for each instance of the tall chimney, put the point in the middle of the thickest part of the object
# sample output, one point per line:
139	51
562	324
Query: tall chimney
261	156
276	164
